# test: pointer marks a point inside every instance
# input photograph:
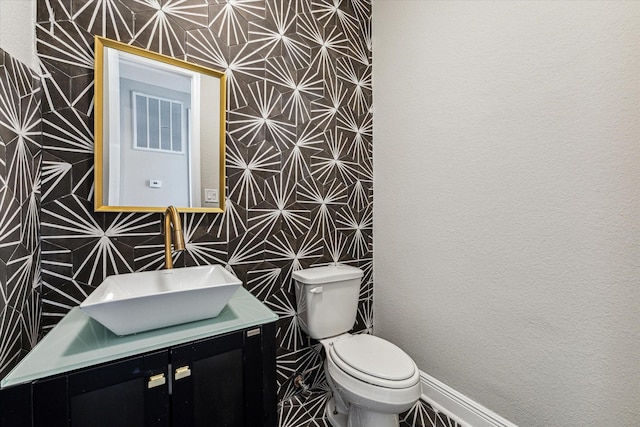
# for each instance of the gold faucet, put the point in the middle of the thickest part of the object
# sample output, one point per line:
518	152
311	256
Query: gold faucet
171	216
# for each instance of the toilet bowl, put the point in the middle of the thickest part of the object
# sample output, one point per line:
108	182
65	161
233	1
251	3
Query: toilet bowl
374	379
371	379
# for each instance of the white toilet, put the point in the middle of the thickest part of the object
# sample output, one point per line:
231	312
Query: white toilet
372	380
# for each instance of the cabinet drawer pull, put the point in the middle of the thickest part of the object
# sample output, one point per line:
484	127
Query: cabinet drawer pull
182	372
156	380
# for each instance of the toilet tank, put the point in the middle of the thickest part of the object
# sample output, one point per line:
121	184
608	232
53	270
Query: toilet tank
327	299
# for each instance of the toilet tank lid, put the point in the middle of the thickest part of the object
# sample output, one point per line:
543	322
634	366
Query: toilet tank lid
326	274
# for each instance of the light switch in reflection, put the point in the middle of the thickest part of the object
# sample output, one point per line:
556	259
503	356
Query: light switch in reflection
210	196
155	183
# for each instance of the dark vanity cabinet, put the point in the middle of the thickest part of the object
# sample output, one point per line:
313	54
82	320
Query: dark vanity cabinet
223	378
227	380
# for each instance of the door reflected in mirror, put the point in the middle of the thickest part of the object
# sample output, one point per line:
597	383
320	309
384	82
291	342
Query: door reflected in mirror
159	132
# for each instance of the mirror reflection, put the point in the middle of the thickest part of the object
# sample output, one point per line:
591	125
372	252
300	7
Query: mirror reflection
159	131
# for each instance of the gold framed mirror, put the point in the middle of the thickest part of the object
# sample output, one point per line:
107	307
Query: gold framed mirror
159	132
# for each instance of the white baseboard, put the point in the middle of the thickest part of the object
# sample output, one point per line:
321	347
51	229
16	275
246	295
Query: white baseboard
457	406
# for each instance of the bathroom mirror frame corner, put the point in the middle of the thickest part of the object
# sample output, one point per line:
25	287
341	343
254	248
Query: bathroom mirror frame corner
136	171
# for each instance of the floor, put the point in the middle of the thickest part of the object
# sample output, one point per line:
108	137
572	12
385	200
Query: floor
307	410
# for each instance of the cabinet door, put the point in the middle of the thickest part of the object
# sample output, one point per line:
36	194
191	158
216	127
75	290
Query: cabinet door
208	382
128	393
15	406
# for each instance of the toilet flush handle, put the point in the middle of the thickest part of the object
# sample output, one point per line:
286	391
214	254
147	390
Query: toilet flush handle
316	290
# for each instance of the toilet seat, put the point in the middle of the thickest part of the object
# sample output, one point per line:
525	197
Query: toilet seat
375	361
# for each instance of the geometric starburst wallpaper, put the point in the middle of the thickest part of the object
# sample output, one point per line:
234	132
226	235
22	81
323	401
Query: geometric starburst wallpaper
20	166
298	147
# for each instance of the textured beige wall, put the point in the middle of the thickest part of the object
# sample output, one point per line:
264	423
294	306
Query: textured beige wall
507	213
18	30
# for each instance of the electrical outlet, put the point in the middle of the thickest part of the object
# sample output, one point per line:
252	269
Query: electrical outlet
210	195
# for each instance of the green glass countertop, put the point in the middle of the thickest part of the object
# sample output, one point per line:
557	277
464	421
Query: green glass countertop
78	341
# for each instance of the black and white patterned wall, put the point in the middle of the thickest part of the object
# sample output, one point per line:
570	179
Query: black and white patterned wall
20	159
299	149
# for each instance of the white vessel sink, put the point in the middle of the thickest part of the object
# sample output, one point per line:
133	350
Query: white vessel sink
136	302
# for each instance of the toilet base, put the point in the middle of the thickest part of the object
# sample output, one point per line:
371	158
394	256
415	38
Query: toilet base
336	419
358	417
